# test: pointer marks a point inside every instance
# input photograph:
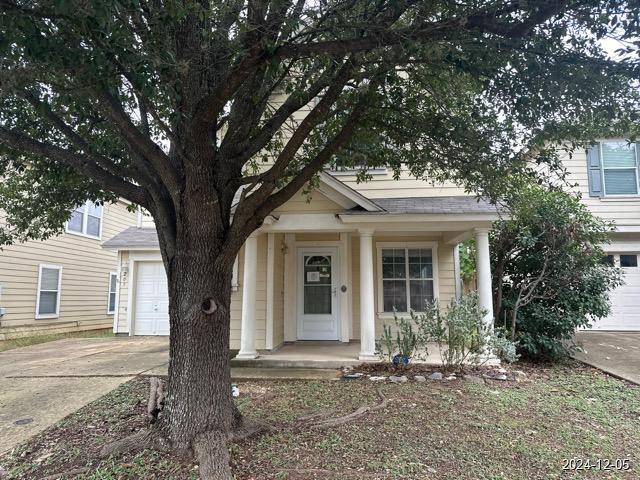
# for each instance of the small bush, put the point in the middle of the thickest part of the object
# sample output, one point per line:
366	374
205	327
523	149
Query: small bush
404	342
459	331
502	347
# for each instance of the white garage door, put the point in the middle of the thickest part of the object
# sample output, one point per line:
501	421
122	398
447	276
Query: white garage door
152	300
625	300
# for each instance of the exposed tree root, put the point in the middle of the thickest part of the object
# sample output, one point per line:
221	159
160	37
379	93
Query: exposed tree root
334	422
147	438
313	416
209	448
250	427
155	403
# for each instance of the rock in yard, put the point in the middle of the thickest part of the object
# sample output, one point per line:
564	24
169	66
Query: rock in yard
397	379
377	379
450	377
494	375
473	379
435	376
519	375
501	371
419	378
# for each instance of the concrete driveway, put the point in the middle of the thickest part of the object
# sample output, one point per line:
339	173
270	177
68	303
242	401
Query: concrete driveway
617	353
44	383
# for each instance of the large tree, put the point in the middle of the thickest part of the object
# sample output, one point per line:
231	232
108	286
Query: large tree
175	105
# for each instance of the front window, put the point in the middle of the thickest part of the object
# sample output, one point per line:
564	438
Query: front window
407	279
619	168
86	220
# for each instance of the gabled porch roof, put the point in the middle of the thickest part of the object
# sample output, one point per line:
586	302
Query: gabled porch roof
451	214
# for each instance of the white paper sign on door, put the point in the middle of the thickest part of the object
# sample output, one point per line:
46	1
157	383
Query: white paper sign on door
313	277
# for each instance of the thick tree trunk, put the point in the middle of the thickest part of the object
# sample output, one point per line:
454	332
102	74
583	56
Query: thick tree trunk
199	412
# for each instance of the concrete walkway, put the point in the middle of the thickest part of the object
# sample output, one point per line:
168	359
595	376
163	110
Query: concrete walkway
617	353
44	383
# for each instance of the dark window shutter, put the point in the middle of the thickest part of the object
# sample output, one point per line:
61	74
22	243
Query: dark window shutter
594	171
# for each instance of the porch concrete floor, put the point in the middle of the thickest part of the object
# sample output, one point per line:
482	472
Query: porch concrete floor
319	354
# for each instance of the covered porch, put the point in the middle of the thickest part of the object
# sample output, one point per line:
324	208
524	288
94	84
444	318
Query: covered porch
314	288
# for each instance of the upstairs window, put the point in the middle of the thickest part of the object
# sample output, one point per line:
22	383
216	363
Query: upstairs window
619	168
86	220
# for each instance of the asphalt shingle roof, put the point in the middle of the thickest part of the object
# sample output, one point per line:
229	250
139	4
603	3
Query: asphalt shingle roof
427	205
134	237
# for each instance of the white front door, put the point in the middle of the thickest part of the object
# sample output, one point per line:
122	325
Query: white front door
152	300
318	317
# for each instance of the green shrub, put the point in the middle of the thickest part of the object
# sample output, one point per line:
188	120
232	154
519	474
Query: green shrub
549	278
459	331
404	342
502	347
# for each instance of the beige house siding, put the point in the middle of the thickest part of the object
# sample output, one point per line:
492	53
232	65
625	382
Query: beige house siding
315	202
383	185
624	211
85	279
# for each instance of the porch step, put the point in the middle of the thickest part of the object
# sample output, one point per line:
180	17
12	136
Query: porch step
259	373
266	362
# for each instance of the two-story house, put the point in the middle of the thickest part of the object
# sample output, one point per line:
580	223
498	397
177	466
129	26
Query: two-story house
65	283
327	267
607	175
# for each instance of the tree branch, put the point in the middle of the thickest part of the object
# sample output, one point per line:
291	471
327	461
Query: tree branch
480	23
83	164
140	144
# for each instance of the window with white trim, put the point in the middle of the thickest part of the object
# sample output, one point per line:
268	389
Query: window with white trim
113	286
619	168
407	278
86	220
49	286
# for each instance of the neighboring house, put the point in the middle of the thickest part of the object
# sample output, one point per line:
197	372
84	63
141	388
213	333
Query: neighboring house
330	267
607	175
66	283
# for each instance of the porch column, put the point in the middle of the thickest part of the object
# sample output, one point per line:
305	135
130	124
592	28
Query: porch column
367	306
483	272
248	324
